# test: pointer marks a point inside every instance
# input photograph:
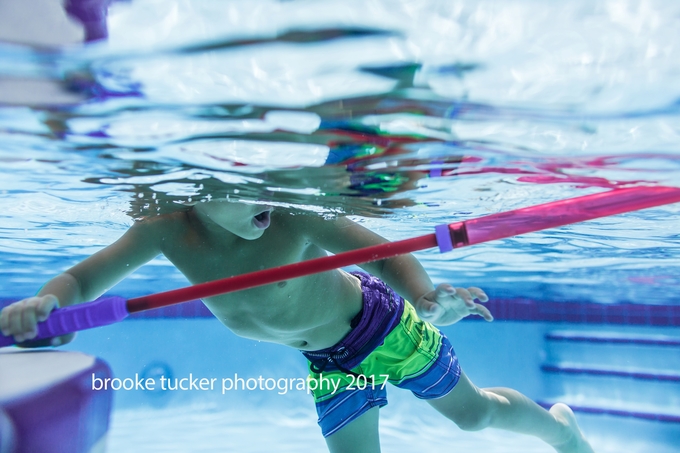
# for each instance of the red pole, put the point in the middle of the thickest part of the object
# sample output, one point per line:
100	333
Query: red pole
460	234
277	274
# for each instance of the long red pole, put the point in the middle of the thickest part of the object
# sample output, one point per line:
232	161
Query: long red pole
459	234
496	226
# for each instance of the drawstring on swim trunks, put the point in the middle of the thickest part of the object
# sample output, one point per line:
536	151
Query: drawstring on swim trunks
333	357
377	318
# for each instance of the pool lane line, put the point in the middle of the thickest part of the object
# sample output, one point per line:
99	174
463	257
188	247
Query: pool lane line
595	410
604	372
638	340
447	237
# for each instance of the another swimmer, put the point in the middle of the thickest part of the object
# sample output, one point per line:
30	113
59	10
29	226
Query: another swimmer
347	325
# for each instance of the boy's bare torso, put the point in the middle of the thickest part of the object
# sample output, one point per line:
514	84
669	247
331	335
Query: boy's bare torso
308	313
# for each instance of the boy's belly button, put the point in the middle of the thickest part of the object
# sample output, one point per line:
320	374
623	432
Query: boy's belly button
302	344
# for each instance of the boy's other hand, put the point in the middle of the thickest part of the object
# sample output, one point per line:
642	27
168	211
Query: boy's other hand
447	305
20	319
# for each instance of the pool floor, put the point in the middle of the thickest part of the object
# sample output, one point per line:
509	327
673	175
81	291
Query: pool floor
404	427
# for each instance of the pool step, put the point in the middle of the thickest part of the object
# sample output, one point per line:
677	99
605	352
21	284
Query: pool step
638	390
615	374
652	353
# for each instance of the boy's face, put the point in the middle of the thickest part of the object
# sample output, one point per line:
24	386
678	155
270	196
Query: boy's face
245	220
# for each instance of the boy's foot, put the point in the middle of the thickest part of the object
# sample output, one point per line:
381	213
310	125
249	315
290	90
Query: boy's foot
577	443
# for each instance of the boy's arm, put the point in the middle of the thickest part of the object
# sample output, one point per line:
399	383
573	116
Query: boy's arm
96	274
443	305
85	281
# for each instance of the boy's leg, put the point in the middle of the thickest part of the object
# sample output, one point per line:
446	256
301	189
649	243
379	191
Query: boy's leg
359	435
473	409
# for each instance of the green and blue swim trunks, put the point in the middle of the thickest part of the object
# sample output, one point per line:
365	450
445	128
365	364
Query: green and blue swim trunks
388	343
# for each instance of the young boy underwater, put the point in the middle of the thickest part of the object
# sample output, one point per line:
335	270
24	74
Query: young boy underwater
345	324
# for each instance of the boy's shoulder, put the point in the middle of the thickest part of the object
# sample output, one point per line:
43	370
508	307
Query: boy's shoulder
166	224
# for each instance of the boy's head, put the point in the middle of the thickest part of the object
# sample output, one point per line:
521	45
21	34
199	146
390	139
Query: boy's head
244	219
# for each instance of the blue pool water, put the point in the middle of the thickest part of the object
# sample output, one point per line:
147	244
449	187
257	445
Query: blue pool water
345	108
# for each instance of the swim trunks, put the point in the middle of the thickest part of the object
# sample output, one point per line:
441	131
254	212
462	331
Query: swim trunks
388	343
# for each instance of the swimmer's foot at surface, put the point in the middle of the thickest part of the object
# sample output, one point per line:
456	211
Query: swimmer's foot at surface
577	443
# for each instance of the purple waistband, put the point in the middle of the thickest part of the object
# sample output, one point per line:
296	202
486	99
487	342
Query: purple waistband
382	309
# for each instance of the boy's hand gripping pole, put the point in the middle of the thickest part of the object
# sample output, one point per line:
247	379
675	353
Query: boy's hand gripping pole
73	318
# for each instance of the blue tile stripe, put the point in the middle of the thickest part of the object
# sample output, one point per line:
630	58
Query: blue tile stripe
652	416
509	309
611	373
571	338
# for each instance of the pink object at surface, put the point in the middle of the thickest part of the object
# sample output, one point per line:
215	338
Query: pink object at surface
565	212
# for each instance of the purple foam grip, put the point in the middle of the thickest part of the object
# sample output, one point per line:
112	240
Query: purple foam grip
69	319
443	238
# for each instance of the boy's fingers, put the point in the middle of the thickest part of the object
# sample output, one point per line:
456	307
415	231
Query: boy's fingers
4	321
58	341
429	310
45	307
466	296
28	320
431	307
20	318
444	290
484	312
14	321
478	294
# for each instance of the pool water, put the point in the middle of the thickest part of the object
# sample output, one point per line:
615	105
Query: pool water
401	115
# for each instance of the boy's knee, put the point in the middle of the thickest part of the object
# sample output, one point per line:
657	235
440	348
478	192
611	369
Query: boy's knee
473	420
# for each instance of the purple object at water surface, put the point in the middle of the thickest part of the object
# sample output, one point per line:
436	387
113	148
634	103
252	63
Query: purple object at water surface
92	14
48	405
